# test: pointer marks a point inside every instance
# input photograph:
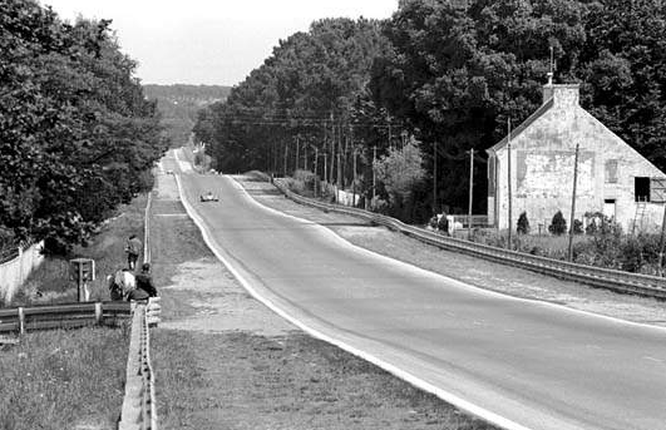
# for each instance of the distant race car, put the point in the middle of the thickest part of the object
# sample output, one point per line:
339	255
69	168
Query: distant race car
209	197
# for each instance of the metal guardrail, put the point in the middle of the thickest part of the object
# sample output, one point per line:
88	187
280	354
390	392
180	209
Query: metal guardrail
23	319
616	280
139	409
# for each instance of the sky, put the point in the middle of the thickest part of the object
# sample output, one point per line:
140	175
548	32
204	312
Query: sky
208	41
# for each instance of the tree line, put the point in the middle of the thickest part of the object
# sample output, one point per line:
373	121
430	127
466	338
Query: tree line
77	135
178	105
446	74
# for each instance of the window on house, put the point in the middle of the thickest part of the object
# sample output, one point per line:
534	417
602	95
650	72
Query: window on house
611	172
642	189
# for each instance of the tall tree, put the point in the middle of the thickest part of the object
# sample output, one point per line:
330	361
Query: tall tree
76	133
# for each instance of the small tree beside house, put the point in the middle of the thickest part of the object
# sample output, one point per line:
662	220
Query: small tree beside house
558	225
523	224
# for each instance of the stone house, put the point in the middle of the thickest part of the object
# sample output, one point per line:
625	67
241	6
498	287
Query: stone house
612	177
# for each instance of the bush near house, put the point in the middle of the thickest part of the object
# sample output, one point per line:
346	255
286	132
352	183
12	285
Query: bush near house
558	225
523	224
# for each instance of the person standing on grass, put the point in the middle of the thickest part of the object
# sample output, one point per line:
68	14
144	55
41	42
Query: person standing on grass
132	248
145	282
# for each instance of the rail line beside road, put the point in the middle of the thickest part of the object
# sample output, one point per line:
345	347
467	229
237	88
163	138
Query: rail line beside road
616	280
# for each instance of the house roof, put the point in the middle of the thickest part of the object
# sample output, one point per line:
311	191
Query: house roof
515	132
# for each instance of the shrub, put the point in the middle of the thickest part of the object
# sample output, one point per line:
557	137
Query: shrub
558	225
432	223
578	226
379	205
327	192
523	224
443	224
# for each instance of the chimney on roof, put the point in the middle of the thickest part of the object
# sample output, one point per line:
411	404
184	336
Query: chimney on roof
562	94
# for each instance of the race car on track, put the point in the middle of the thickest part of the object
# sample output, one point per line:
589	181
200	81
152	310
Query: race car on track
208	197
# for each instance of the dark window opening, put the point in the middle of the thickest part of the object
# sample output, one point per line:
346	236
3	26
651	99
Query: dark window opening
642	189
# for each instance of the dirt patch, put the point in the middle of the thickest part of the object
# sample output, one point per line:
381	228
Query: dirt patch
220	304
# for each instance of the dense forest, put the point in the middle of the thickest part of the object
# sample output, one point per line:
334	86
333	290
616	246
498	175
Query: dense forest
178	106
77	135
445	74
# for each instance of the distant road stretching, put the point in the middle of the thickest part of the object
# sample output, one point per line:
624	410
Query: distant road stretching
524	364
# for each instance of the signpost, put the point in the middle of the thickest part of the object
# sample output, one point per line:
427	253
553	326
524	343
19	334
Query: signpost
82	271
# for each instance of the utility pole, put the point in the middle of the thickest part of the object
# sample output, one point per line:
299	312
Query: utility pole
471	193
286	152
298	153
390	135
661	242
340	179
434	178
573	204
508	173
316	178
325	166
276	159
354	181
374	174
305	157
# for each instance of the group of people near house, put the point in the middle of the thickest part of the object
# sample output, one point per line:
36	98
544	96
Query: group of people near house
124	284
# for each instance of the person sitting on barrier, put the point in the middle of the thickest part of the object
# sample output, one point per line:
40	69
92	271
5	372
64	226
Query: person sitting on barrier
145	282
122	285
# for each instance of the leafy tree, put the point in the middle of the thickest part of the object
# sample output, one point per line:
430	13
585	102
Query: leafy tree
458	70
76	133
400	171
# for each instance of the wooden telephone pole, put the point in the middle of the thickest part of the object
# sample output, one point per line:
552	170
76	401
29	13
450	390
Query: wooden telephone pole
572	218
471	193
508	174
434	178
374	174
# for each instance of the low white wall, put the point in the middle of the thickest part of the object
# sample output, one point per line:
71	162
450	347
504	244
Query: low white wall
13	273
346	198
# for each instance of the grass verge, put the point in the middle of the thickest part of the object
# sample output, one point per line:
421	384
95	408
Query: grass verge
242	380
63	379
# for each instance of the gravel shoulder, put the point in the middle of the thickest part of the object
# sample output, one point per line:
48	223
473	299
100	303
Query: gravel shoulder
473	271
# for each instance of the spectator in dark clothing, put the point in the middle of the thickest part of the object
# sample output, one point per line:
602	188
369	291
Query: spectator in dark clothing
137	295
132	248
145	282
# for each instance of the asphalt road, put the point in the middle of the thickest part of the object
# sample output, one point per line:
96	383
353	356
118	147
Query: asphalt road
524	364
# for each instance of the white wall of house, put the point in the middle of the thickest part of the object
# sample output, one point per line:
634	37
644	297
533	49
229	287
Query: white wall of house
542	169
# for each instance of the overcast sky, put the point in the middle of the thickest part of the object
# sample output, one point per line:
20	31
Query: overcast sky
208	41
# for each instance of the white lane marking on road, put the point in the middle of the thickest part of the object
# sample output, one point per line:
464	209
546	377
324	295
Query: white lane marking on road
647	357
451	398
457	282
